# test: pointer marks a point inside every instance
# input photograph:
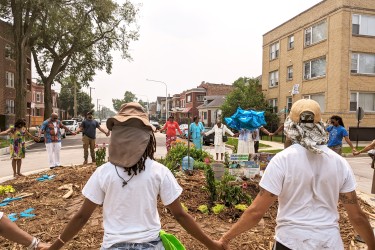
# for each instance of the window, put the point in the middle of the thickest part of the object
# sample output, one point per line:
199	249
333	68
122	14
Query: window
289	103
363	25
274	51
204	114
188	98
274	78
200	98
9	52
9	106
364	100
315	68
273	105
182	104
290	73
291	42
363	63
38	97
316	33
319	98
37	112
9	79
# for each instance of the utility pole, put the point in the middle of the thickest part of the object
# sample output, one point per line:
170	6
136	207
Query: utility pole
75	98
97	106
90	94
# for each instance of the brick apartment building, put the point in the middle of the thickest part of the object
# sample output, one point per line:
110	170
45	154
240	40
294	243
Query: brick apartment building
326	53
7	76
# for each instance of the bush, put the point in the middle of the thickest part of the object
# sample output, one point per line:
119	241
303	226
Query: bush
100	154
231	195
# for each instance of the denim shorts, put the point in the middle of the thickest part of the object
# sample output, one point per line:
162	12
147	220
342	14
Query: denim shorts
152	245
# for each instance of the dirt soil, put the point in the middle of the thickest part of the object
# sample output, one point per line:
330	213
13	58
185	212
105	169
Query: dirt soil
53	212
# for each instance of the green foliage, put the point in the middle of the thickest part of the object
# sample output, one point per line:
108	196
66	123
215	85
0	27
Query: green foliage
203	209
6	189
66	99
247	94
199	165
211	183
218	208
241	207
128	97
100	154
231	195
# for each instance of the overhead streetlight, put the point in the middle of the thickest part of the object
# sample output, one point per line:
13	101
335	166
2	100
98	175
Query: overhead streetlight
166	96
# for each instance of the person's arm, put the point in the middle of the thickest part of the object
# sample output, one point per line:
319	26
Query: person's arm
349	143
365	149
81	128
251	216
278	130
102	130
210	131
67	129
189	224
164	127
358	218
12	232
178	128
75	224
264	130
227	130
6	132
32	136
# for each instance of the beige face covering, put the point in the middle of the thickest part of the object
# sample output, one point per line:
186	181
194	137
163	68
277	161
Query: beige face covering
128	143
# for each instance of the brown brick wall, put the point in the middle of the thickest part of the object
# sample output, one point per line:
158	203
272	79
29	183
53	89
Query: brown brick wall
216	89
338	82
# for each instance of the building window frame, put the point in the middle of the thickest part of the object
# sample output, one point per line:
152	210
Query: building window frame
200	98
289	73
272	103
319	98
188	98
274	50
359	99
291	42
9	79
289	103
308	68
310	33
10	53
273	79
9	106
358	21
356	63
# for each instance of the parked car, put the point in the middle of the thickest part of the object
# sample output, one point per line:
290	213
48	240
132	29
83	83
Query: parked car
71	124
62	131
209	139
155	124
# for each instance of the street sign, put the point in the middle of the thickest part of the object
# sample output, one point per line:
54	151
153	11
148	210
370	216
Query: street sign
360	113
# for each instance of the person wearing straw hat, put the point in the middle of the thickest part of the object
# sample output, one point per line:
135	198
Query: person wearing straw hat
128	187
308	179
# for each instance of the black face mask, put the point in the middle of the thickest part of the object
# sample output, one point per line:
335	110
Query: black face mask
89	117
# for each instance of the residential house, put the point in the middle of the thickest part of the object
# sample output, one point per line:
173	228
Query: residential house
326	53
7	76
210	110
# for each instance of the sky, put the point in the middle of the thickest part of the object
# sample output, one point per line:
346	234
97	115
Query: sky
183	43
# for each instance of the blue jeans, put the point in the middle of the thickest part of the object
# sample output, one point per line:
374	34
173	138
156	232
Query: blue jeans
152	245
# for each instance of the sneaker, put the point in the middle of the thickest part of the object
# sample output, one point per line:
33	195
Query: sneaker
52	167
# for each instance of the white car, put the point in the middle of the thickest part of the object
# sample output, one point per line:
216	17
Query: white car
71	124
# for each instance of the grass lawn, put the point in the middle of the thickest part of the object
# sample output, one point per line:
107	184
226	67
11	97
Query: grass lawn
275	138
4	143
233	141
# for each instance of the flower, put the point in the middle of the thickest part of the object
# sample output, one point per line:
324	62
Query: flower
207	160
244	185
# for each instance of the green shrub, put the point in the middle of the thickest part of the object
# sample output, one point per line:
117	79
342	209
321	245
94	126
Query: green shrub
218	208
231	195
203	209
211	183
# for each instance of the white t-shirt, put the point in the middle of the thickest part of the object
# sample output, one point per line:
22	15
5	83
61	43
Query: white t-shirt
55	127
308	187
1	215
130	213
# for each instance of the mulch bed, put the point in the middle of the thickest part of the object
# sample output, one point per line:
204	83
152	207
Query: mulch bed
53	212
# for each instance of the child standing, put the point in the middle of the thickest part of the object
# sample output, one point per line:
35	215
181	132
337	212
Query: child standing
17	144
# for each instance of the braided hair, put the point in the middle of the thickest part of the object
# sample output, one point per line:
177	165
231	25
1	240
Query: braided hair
149	152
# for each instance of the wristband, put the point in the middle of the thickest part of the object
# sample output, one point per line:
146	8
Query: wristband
34	244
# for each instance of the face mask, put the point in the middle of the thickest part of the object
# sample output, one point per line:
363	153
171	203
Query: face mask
89	117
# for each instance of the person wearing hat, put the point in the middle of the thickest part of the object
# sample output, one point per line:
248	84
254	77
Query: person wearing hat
308	179
171	126
128	187
88	128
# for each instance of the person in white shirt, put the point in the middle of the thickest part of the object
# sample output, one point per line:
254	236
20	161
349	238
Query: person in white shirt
219	129
245	142
11	231
128	188
308	179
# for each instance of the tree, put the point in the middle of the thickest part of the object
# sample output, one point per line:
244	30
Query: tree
247	94
76	37
67	36
128	97
66	98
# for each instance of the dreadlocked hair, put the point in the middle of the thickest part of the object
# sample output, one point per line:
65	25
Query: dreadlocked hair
149	152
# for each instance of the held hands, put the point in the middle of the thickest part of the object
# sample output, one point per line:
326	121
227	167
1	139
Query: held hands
108	133
43	246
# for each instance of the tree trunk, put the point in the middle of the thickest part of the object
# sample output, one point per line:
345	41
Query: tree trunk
75	99
20	51
47	99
